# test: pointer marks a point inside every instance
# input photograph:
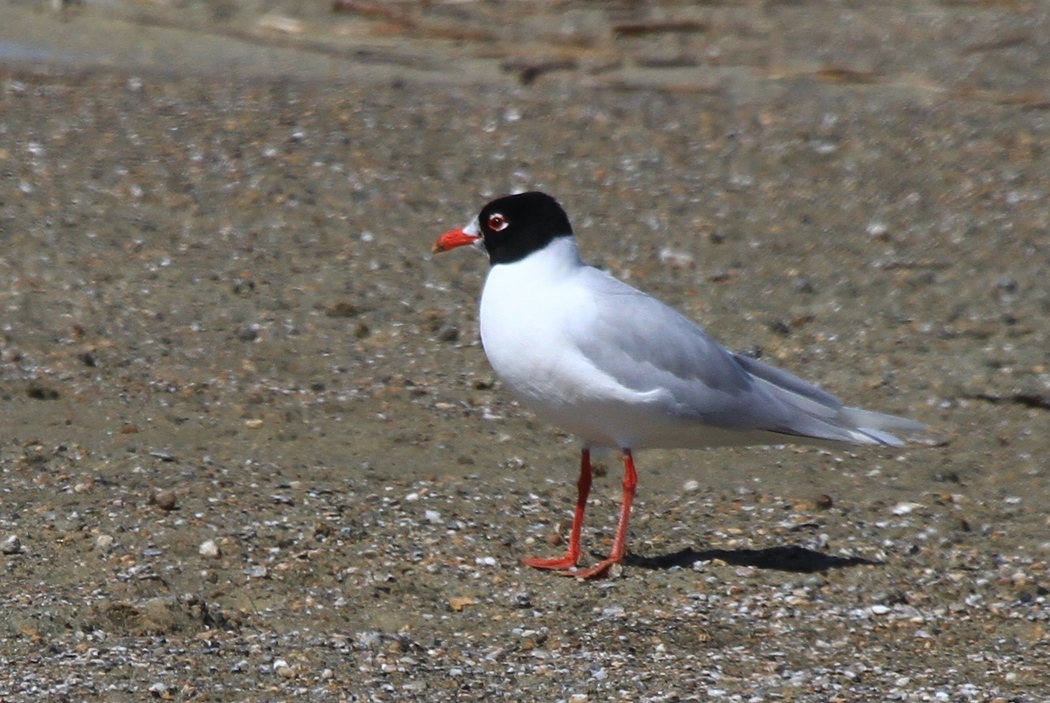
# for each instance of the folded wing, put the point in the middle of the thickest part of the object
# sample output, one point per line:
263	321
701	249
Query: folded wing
652	349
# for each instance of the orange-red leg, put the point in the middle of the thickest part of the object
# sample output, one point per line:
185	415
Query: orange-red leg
583	489
619	548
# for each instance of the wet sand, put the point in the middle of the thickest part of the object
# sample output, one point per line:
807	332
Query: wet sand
251	448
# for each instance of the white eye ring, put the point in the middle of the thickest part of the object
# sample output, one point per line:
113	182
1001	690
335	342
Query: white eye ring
497	222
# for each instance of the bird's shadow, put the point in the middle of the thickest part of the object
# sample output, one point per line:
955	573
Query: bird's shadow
789	558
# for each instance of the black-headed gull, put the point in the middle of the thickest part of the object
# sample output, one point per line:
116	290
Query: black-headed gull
620	369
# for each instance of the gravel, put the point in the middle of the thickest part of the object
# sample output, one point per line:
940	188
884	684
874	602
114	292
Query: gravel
251	449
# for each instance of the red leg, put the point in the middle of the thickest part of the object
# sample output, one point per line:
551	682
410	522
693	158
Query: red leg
619	548
583	489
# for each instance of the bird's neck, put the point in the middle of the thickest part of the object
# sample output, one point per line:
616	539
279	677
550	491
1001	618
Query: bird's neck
558	258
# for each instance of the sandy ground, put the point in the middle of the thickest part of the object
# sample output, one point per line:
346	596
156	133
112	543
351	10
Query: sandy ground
251	448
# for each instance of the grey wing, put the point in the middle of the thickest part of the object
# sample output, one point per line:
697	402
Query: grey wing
827	417
648	346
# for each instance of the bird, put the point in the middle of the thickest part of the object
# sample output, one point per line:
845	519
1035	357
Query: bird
619	369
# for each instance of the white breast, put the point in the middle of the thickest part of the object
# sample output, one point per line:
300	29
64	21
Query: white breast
532	311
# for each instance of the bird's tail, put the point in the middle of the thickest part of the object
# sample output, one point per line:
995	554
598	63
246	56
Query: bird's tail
824	417
876	427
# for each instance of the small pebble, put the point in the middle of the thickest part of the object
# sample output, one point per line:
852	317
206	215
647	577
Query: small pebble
284	25
448	333
343	308
209	549
281	668
164	499
878	230
11	545
905	508
322	530
676	258
38	390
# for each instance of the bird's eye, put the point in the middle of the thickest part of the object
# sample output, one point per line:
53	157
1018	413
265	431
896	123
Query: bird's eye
497	222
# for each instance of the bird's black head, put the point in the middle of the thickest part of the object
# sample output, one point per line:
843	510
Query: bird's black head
514	226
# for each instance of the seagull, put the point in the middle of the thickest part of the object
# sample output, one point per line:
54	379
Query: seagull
619	369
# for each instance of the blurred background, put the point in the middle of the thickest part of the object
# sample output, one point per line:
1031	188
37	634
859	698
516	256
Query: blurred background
996	47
